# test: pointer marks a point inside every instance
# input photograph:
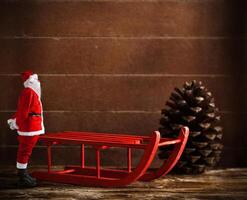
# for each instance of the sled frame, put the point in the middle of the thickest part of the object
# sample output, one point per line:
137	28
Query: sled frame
103	177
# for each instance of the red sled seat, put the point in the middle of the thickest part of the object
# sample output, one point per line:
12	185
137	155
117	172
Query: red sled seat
95	175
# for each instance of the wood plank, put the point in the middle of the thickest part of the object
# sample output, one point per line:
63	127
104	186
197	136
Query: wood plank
109	56
215	184
115	93
131	18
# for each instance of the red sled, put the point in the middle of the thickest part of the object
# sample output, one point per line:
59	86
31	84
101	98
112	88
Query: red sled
103	177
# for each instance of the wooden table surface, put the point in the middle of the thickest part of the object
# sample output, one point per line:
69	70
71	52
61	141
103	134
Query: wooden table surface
216	184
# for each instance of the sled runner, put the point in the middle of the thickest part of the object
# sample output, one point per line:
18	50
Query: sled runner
98	176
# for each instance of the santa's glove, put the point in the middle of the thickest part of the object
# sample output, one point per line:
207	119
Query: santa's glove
12	124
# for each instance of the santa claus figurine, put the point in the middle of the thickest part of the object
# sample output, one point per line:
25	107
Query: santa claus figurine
28	121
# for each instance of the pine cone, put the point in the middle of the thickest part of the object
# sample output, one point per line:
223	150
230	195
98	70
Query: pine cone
193	106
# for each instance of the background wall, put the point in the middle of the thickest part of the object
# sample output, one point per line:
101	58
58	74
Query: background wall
110	66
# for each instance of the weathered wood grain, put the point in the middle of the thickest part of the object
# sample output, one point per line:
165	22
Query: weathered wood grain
121	18
120	56
75	93
217	184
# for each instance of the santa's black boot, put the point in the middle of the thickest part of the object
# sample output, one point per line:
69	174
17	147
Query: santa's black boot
25	180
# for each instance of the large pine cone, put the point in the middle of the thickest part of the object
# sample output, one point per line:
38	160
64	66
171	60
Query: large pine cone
193	106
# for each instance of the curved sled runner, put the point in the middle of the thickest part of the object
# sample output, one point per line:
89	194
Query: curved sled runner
97	176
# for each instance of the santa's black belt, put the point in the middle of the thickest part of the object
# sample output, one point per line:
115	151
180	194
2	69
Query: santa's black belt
34	114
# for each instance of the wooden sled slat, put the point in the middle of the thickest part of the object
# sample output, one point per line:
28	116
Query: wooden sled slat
96	176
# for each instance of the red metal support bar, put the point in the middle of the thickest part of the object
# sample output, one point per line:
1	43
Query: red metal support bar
49	158
98	162
166	141
82	156
68	140
172	159
129	159
108	135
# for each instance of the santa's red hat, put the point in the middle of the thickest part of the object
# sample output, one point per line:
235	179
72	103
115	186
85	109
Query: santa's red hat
25	75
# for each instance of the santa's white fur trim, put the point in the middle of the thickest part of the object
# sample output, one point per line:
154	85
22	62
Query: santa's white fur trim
31	133
21	165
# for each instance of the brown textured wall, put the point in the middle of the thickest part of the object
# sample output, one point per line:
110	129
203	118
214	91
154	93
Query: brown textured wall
110	65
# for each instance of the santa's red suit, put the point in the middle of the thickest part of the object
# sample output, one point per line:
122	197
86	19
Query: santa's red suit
28	120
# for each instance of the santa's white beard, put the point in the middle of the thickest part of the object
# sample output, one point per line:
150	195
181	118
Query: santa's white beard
34	84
